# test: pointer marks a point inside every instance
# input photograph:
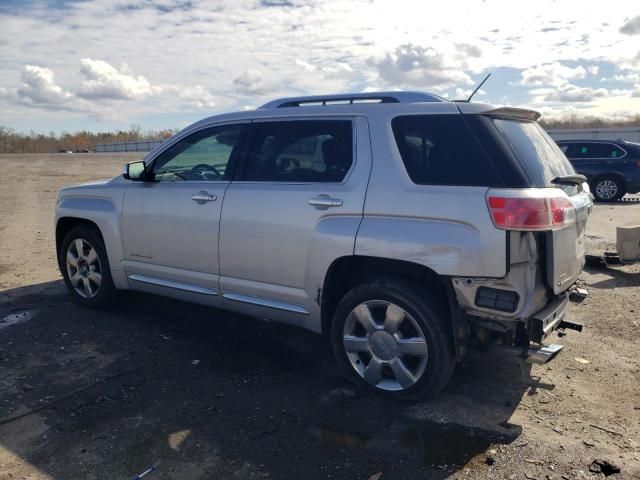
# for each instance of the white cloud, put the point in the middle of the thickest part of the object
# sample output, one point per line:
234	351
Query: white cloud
632	27
184	56
250	83
198	97
552	74
469	50
627	77
39	88
419	67
103	81
569	93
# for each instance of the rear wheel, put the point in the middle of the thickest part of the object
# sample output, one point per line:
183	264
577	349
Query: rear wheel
85	267
391	336
608	189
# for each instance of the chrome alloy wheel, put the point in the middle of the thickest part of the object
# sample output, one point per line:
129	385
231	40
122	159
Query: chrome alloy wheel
607	189
385	345
83	268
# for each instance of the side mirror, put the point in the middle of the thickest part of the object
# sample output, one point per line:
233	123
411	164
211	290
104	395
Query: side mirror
136	171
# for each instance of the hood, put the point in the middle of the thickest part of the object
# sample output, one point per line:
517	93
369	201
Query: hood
89	185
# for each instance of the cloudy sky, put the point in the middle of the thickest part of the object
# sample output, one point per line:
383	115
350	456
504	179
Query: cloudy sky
102	64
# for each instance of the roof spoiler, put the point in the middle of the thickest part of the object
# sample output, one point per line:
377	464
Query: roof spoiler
509	112
503	112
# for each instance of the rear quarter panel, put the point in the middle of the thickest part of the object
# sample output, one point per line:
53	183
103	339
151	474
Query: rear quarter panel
446	228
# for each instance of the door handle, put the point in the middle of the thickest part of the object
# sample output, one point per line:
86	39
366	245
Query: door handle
202	197
323	202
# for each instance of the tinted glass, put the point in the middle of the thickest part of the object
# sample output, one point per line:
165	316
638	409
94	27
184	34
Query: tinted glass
202	156
442	150
300	151
540	154
596	150
614	152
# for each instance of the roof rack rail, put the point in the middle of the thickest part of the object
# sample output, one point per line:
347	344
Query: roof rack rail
351	98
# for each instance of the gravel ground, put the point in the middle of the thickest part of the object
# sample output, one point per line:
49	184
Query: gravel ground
201	393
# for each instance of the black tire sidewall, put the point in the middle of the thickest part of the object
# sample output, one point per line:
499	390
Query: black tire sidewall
107	290
430	315
618	195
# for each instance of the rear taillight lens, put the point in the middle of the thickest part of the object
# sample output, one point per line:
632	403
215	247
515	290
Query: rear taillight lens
530	211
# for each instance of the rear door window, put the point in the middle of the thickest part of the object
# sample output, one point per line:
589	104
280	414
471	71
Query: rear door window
541	156
300	151
442	150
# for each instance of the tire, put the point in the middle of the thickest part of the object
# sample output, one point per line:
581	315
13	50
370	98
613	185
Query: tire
86	274
608	189
400	311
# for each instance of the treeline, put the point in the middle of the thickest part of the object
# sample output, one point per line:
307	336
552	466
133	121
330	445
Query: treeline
32	142
589	122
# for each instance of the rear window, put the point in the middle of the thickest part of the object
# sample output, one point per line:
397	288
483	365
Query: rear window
541	156
442	150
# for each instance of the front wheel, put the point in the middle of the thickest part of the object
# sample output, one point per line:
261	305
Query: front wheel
608	189
391	336
85	267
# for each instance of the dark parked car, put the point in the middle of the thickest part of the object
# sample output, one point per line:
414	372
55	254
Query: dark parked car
611	166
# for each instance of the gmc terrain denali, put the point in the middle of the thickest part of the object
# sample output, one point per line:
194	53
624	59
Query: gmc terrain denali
403	226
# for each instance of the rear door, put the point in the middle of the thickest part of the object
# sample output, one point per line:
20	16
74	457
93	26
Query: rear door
295	206
545	162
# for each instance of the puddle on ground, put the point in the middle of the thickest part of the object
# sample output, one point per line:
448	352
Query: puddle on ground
17	317
452	445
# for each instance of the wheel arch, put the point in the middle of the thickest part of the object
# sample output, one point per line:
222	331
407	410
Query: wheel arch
346	272
105	222
65	224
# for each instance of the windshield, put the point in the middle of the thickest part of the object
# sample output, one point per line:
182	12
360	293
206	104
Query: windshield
542	158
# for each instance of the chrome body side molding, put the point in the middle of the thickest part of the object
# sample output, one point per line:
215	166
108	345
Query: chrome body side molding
265	302
187	287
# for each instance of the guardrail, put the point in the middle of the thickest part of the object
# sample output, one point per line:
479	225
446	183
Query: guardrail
144	146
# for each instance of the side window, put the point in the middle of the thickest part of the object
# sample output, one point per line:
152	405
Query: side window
442	150
594	150
614	151
300	151
570	150
202	156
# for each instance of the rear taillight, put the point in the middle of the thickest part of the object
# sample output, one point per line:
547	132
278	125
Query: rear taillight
536	209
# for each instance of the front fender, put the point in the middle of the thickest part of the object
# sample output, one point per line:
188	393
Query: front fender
105	214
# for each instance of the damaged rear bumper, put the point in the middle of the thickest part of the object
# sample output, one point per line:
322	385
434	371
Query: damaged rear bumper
548	319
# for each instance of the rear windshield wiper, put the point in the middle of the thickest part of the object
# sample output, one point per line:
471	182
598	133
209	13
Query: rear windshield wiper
576	179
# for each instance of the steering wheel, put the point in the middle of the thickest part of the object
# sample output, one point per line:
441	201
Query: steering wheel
201	168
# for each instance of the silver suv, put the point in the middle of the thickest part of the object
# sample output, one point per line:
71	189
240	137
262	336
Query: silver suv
402	226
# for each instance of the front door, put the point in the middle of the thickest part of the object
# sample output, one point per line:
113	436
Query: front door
170	225
295	207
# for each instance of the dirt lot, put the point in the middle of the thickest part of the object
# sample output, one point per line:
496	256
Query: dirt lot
202	393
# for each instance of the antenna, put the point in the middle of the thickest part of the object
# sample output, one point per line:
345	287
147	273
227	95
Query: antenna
478	87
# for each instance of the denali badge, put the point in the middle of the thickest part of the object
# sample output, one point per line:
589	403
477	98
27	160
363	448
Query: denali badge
140	254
